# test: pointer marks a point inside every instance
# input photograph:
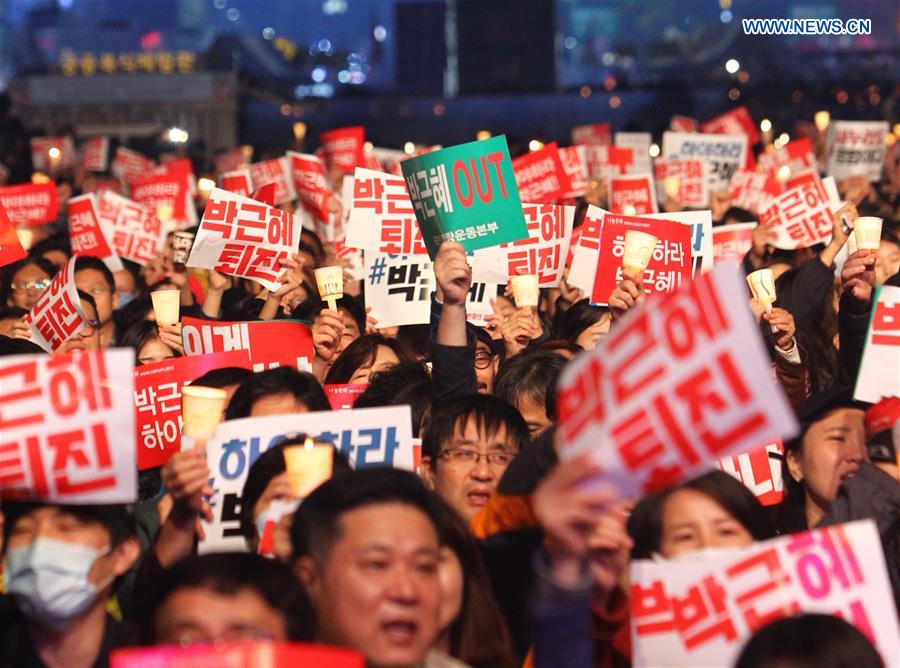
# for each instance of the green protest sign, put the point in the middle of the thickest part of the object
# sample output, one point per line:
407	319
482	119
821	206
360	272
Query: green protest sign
467	194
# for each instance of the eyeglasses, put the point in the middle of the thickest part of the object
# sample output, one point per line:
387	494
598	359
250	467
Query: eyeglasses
468	457
96	291
483	359
41	285
93	325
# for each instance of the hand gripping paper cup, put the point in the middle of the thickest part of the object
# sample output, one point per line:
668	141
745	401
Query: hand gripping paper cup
638	250
330	281
308	466
165	306
525	290
762	285
867	232
202	409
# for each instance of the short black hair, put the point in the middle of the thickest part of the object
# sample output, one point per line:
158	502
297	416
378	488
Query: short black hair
577	318
280	380
115	518
809	641
404	384
11	346
224	377
316	524
645	522
89	299
267	466
8	272
362	352
139	334
86	262
230	573
489	412
528	374
58	241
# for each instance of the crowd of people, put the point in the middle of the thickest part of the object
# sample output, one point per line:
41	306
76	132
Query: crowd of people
496	553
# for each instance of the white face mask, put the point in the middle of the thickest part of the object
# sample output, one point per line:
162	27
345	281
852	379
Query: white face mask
48	579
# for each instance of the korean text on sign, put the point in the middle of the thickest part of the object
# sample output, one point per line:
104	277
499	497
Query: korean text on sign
632	195
57	316
731	242
753	191
801	217
681	382
308	175
544	251
700	223
856	148
30	204
274	171
879	373
86	233
67	428
466	194
137	233
541	176
241	237
690	176
723	154
398	288
699	610
382	217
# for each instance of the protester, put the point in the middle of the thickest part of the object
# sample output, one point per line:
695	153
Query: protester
95	278
367	355
153	343
276	392
25	281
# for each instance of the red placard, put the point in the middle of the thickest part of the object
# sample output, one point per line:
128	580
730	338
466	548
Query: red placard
693	191
238	655
67	427
157	401
759	470
308	174
596	134
575	163
632	195
270	344
683	124
237	182
796	155
10	248
343	148
171	191
30	203
731	242
95	154
233	159
128	165
57	316
801	216
669	268
540	176
40	153
343	396
753	190
265	194
736	121
86	235
274	171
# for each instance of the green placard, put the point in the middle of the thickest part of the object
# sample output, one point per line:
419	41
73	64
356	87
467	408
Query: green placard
467	194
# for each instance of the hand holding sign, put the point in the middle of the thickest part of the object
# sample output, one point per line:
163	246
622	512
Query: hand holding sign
452	274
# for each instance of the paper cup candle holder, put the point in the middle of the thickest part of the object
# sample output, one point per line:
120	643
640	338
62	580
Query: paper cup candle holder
166	305
762	285
525	290
202	409
639	247
867	232
330	281
308	466
181	249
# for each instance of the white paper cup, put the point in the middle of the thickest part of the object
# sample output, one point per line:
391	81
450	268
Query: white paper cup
851	244
525	289
308	466
867	231
201	410
762	285
166	304
330	281
638	250
671	186
181	247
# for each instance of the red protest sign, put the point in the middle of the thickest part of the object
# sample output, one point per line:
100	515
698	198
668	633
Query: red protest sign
274	171
168	195
10	248
683	124
801	216
669	267
382	216
270	344
308	174
796	156
242	237
238	655
575	164
30	203
736	121
265	194
544	250
67	427
233	159
753	191
540	176
50	153
57	316
137	233
681	381
732	242
760	471
237	182
95	154
689	176
128	165
632	195
342	397
157	401
86	235
596	134
343	148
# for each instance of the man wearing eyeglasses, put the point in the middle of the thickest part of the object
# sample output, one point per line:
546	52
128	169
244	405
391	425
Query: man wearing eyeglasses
89	336
95	278
467	446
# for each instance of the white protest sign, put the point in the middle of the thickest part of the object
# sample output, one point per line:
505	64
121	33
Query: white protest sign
879	372
366	436
275	171
701	235
700	609
545	249
681	381
239	236
88	233
586	250
723	154
856	148
801	216
398	288
137	233
639	143
57	316
68	427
